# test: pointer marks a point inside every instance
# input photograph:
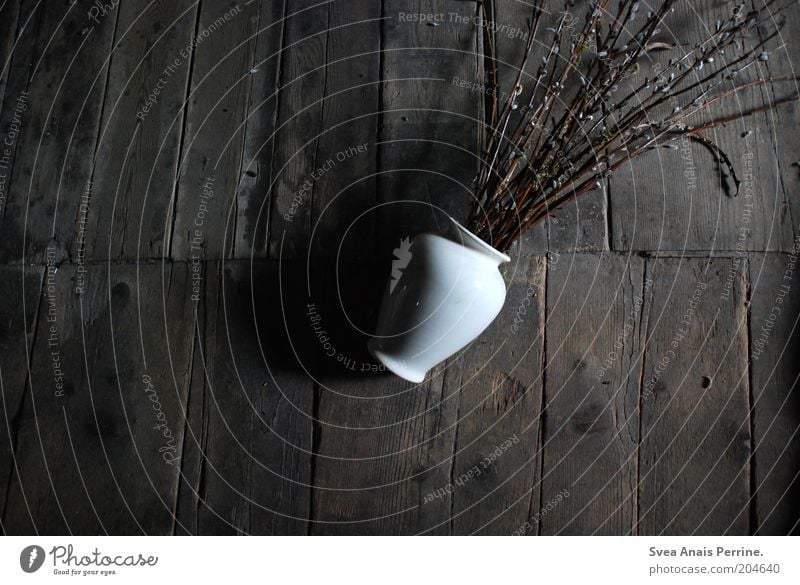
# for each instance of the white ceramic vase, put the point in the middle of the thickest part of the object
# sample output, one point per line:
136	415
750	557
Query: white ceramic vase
444	290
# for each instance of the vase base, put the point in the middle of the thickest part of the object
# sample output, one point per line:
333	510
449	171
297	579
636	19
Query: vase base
395	366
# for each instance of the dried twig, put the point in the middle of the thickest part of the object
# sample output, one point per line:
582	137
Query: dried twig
574	130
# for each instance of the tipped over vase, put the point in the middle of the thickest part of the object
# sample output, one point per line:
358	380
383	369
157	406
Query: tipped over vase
444	291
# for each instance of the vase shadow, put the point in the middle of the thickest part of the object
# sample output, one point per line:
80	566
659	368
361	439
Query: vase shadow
316	318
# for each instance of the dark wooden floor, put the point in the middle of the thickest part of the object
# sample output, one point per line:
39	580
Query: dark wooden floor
199	202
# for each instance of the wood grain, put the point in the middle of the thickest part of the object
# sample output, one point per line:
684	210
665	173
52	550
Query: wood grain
253	198
19	311
143	117
99	434
374	478
774	310
55	89
9	16
429	129
211	162
247	461
304	54
594	361
342	214
694	455
779	173
496	465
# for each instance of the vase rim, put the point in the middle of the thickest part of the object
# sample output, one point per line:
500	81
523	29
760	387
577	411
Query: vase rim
479	243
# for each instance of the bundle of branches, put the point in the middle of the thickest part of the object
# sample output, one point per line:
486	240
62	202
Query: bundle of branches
578	125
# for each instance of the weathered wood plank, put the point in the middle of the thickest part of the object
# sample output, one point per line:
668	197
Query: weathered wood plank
20	288
10	110
9	14
694	460
774	341
9	17
343	199
55	90
497	381
211	163
594	361
300	109
375	478
99	434
139	146
678	200
247	460
381	444
253	204
779	176
429	130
